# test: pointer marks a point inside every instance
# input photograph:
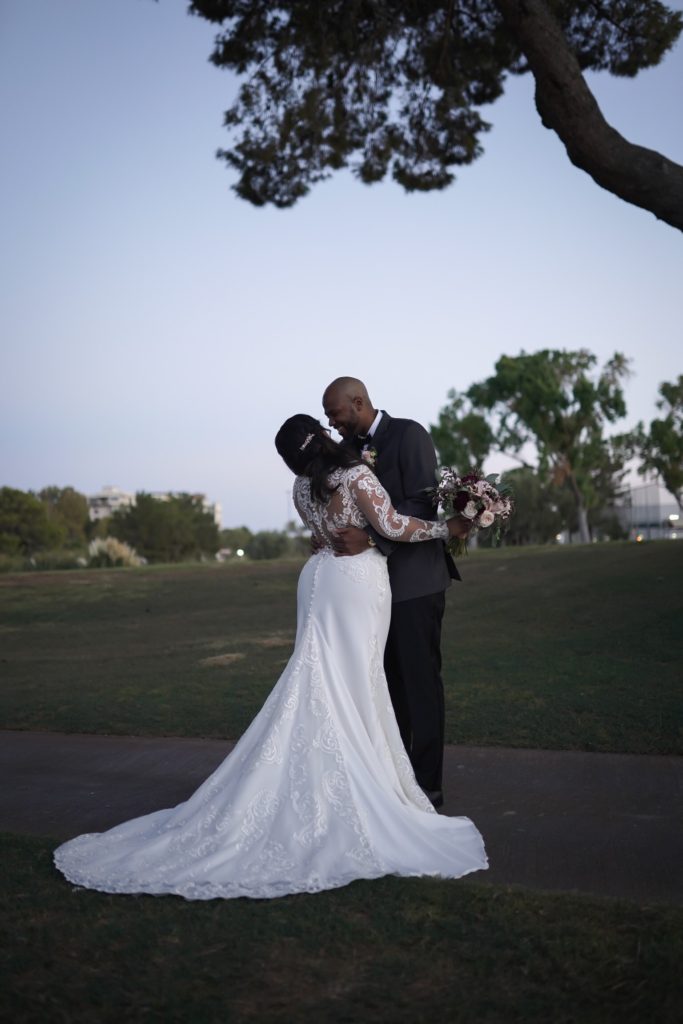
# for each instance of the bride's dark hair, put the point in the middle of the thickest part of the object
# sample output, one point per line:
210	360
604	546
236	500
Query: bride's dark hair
309	450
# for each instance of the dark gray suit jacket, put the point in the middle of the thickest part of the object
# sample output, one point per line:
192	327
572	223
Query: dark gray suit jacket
406	465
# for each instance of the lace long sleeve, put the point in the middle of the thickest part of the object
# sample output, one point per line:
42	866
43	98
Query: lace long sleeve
375	504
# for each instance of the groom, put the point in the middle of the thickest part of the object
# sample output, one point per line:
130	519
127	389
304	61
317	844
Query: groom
402	455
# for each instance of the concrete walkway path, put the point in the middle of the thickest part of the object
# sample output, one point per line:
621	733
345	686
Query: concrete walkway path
607	824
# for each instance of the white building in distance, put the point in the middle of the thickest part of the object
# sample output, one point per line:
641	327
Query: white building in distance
649	512
110	499
107	501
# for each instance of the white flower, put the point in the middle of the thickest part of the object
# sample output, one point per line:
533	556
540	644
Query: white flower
470	510
486	518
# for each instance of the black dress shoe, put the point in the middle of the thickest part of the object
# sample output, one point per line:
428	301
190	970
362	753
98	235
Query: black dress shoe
435	797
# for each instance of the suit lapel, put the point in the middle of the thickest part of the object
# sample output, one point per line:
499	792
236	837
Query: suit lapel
382	428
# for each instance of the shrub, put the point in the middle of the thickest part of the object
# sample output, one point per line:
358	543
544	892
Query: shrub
105	552
57	559
12	563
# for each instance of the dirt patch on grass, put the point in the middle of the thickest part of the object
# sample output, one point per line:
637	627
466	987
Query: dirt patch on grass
219	660
275	640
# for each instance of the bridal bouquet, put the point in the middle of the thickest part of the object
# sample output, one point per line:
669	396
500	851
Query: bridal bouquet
482	499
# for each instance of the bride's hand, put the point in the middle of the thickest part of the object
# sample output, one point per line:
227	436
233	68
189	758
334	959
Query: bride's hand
458	527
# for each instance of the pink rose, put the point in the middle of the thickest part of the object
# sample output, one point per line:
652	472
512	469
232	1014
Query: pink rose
470	510
486	518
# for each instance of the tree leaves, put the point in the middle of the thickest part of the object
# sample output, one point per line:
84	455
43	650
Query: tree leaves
167	530
661	448
553	401
384	86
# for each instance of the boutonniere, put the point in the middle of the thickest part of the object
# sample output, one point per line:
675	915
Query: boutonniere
368	454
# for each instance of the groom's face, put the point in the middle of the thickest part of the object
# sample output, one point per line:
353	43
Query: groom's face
342	413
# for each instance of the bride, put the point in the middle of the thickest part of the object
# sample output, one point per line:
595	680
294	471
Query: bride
318	791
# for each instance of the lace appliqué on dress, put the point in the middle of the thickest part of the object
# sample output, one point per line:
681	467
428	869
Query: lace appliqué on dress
358	499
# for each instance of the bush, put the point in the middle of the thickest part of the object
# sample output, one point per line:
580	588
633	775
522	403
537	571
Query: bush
108	552
11	563
57	559
43	561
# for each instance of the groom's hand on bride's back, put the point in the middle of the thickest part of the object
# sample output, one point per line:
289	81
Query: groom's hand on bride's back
350	540
316	544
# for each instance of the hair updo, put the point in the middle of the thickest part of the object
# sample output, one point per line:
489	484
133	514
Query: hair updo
308	450
299	440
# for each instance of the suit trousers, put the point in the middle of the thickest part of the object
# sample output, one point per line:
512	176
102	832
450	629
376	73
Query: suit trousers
412	662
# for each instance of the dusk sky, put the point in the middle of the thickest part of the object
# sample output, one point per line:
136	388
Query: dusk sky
156	330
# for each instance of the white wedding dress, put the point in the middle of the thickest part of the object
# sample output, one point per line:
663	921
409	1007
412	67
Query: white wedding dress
318	791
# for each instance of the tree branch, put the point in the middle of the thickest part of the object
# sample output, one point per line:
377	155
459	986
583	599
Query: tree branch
634	173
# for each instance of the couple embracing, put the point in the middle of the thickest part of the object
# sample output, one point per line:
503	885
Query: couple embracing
338	776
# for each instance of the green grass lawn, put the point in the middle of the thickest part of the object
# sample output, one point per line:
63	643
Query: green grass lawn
395	950
565	648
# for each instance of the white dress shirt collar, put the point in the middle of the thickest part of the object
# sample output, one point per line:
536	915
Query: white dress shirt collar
375	424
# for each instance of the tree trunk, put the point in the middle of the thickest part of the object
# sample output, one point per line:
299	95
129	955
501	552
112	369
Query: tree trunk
584	529
638	175
581	510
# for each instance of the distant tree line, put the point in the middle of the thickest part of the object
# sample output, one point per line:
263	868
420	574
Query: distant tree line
52	529
290	542
549	410
54	519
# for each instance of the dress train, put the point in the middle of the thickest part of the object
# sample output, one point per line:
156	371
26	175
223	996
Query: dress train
318	791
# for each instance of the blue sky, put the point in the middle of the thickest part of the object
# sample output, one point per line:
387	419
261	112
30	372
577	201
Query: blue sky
156	330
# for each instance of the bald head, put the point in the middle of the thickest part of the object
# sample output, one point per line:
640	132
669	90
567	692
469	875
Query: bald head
348	407
348	387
